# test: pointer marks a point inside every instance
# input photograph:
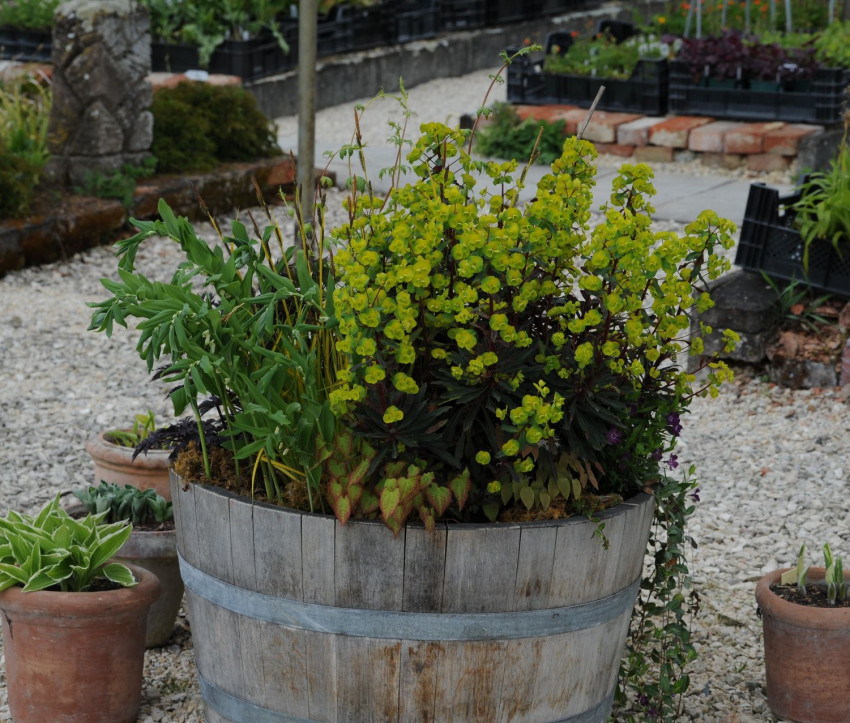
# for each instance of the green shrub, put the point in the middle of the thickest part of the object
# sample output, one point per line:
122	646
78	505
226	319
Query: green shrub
28	14
509	137
18	177
198	125
24	112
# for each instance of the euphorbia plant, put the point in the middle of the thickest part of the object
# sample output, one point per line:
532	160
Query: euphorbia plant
510	356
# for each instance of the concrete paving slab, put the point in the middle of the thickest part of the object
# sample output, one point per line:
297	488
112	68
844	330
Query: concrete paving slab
680	196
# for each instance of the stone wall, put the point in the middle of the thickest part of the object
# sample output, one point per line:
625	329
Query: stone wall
100	117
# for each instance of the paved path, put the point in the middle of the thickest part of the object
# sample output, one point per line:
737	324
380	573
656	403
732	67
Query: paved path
681	195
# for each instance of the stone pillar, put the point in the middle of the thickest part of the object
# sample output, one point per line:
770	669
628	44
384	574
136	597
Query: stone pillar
100	118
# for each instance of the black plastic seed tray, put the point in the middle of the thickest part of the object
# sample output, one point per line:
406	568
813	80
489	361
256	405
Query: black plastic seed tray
769	242
819	101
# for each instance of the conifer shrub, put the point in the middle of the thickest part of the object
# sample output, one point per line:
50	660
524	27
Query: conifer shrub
198	126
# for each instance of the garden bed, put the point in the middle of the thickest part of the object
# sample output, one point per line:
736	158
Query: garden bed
62	224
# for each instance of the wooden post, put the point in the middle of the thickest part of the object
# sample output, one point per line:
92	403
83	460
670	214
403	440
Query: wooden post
307	14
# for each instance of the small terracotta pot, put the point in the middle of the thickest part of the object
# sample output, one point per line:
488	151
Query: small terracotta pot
156	551
115	464
76	657
806	655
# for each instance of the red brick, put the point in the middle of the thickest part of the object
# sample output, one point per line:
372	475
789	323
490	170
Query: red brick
282	174
550	114
784	141
673	132
654	154
767	162
166	80
224	80
709	138
169	80
636	132
615	149
749	138
721	160
602	127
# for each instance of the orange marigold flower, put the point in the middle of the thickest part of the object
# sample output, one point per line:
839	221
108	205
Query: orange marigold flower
574	34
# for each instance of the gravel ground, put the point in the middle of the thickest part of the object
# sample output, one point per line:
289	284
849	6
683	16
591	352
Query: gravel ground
772	462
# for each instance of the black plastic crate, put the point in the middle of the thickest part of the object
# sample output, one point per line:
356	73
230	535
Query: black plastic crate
512	11
524	81
644	92
29	46
334	33
173	57
249	59
820	102
462	14
414	19
369	25
770	243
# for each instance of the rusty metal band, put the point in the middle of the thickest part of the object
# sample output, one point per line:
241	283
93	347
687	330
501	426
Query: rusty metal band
395	625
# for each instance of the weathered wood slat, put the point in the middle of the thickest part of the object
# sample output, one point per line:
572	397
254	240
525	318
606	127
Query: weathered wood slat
277	548
212	518
470	682
321	666
367	683
317	559
251	632
183	502
369	567
424	564
534	568
283	652
637	528
521	660
473	555
419	680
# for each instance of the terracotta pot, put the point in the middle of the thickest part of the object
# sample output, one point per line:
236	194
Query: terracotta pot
156	551
115	464
76	657
806	655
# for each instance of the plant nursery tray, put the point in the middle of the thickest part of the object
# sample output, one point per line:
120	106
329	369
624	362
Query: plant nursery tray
644	92
249	59
820	103
770	243
462	14
27	46
414	19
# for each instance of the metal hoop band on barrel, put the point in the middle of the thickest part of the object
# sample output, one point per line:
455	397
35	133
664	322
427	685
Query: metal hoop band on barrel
396	625
241	711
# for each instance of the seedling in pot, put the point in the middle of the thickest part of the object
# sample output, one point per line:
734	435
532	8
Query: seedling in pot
143	425
836	586
141	507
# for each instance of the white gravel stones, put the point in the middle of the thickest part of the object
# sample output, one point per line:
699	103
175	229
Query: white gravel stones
772	463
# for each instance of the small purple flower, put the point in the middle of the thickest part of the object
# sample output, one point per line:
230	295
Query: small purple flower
656	455
673	423
673	462
615	435
695	495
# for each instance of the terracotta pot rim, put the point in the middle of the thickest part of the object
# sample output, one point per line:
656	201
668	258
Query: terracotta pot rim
80	604
635	499
802	616
101	448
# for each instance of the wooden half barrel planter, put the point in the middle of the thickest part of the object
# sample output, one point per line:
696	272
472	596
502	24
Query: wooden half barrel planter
297	618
